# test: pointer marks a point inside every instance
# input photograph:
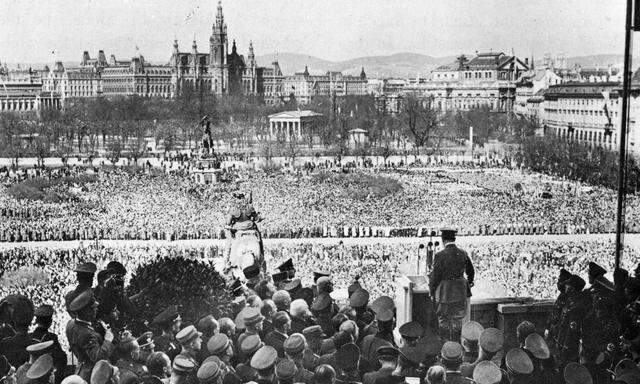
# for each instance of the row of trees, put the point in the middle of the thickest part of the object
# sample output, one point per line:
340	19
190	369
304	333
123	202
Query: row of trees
124	124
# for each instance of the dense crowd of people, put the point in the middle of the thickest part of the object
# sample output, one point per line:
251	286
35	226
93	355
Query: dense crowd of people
301	329
119	204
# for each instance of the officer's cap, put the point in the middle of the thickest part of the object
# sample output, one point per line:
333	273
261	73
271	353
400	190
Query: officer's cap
102	372
491	340
294	344
595	270
321	302
347	356
145	341
487	372
577	282
169	315
384	316
319	273
451	351
382	302
252	316
180	364
218	343
73	379
359	298
387	351
39	349
187	334
45	310
471	331
518	361
87	268
239	321
292	285
448	233
264	358
313	331
535	344
286	266
40	368
323	282
245	373
353	287
564	275
251	271
575	373
208	372
411	329
82	301
251	344
286	370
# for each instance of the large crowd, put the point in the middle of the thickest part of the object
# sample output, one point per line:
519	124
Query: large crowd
343	332
118	204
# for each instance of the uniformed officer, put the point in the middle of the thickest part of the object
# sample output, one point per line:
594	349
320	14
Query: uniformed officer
84	274
219	345
294	347
384	337
347	358
209	373
249	346
448	287
311	354
316	275
322	310
486	372
576	306
451	355
87	345
147	347
388	359
287	271
364	315
184	371
518	366
15	347
44	319
35	351
286	372
411	332
41	371
252	320
470	335
490	342
263	361
191	342
555	317
128	351
169	321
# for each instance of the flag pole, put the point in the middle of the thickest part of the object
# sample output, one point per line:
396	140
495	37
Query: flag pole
622	171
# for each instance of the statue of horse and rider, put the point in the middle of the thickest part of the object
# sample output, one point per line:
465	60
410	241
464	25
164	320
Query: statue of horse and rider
245	253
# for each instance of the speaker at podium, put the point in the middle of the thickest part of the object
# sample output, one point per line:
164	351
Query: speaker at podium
413	302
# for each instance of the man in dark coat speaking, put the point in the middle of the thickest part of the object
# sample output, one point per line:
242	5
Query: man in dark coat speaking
448	287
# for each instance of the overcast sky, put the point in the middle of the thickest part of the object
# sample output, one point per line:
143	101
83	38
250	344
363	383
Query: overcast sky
30	30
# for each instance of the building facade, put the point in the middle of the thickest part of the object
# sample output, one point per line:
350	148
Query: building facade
21	91
304	86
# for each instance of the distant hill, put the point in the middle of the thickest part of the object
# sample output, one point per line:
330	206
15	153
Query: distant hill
396	65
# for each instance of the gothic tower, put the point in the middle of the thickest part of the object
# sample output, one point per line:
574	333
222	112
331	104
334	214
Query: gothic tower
218	66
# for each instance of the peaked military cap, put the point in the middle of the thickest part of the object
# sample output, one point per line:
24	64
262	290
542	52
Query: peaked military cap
187	334
386	315
491	340
286	266
44	310
577	282
252	316
251	344
251	271
218	343
208	371
518	361
382	302
73	379
487	372
451	351
535	344
595	270
245	373
264	358
353	287
239	321
86	267
279	319
180	364
145	341
471	331
82	301
294	344
41	367
564	275
575	373
313	331
39	349
411	329
319	273
102	372
359	298
167	316
286	370
387	351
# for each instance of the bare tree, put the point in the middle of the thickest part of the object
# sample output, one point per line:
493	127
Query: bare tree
419	118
